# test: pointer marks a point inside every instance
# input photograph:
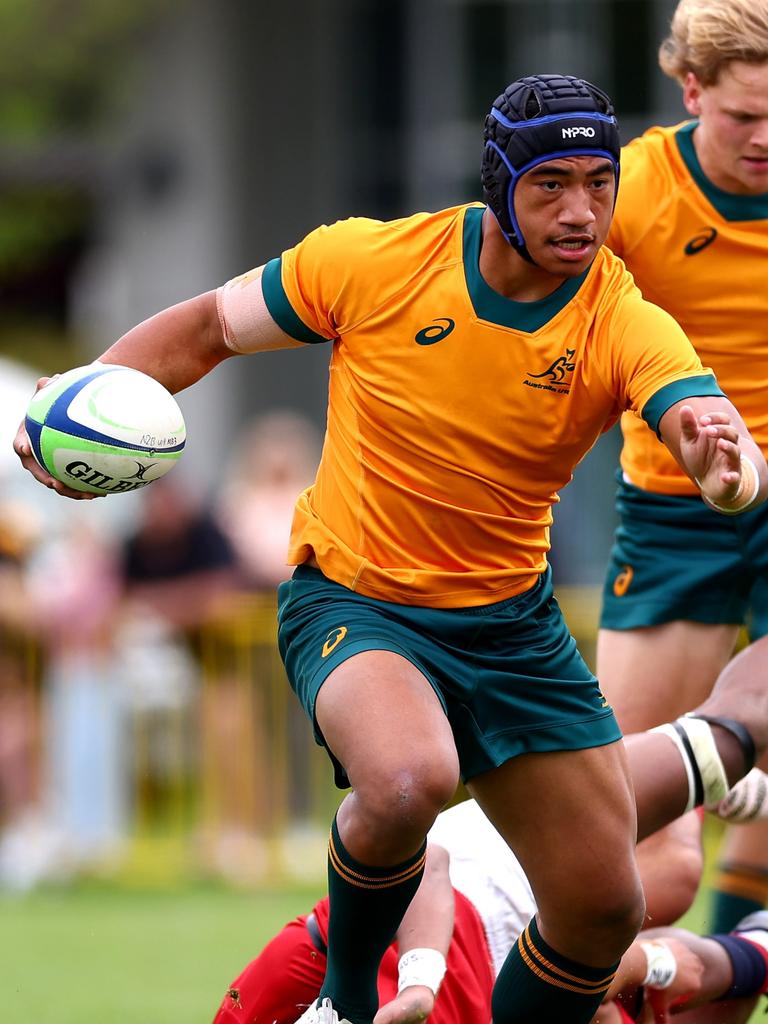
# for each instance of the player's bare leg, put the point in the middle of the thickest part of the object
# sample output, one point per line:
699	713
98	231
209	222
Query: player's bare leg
652	675
570	818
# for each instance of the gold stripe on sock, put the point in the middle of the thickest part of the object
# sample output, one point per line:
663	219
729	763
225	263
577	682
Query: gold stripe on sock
365	881
746	882
554	975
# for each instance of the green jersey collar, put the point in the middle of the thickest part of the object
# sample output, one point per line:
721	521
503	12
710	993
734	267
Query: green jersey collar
495	308
730	206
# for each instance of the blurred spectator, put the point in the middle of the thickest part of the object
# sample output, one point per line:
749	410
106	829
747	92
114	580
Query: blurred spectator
75	591
19	682
177	564
247	745
275	459
177	569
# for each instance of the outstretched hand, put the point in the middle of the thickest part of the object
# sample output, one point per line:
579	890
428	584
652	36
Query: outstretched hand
23	448
709	446
411	1006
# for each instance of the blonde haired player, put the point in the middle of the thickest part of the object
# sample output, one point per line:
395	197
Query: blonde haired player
478	352
691	224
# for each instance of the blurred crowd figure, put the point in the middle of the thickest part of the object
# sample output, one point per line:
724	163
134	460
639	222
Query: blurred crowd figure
108	717
273	462
274	459
19	690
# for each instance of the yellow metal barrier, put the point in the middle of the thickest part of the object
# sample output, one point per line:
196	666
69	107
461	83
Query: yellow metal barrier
267	794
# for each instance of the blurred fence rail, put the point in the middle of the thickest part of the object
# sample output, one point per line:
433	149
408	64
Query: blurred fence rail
226	780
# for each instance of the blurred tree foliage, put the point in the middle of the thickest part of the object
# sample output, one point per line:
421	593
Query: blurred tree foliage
61	61
65	70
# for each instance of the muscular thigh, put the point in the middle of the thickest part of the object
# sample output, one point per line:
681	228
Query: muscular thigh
380	718
653	674
570	818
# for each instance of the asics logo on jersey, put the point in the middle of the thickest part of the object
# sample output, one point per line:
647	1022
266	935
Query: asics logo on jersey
333	639
557	374
573	133
705	237
435	332
623	580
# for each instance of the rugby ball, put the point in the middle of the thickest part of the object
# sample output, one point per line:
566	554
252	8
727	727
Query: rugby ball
105	429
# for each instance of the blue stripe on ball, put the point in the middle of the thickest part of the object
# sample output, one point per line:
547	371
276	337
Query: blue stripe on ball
58	419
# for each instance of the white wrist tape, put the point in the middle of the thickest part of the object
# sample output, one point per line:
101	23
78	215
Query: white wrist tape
707	781
662	966
749	485
421	967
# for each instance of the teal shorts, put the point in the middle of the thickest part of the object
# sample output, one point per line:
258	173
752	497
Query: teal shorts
508	675
675	558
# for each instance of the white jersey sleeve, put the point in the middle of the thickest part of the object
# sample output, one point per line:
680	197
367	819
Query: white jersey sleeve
484	869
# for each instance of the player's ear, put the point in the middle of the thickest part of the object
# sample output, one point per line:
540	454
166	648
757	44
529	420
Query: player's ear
692	90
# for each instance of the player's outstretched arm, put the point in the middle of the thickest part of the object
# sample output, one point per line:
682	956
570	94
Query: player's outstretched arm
696	759
423	939
709	440
180	345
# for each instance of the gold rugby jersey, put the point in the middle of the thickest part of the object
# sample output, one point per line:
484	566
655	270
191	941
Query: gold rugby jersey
455	414
701	254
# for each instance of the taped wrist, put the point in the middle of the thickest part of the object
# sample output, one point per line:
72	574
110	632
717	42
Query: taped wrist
661	965
749	485
736	729
707	781
421	967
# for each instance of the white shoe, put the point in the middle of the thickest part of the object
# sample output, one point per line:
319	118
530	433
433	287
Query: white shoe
747	800
322	1014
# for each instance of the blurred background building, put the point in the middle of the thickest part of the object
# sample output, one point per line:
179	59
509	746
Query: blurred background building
152	150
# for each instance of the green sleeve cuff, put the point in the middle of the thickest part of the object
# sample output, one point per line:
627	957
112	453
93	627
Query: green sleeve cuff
280	309
704	385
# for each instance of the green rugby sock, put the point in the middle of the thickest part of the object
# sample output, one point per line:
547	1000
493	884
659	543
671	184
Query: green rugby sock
367	904
738	890
537	983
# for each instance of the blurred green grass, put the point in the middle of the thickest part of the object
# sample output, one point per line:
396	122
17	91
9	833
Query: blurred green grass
99	952
130	952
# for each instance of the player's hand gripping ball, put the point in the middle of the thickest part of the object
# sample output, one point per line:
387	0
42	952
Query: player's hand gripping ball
105	429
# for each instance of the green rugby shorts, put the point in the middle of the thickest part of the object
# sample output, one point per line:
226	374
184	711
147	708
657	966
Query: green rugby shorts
508	675
674	558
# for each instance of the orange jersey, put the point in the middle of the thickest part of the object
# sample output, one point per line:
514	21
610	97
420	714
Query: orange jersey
701	254
456	415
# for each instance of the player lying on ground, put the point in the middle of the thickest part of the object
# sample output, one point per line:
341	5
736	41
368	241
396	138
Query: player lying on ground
474	909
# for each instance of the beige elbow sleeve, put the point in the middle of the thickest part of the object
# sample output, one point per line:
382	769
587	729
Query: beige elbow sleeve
245	320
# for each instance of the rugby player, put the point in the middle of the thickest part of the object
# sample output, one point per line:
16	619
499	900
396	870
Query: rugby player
691	224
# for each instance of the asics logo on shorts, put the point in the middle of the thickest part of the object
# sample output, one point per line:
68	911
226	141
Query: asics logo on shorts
440	329
705	237
333	639
623	580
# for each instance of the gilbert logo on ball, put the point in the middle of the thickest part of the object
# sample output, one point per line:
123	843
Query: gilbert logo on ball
105	429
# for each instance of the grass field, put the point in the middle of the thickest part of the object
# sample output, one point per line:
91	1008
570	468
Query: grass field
98	952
